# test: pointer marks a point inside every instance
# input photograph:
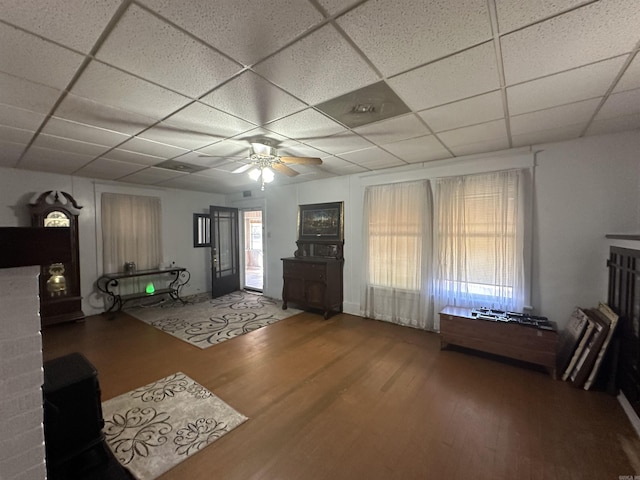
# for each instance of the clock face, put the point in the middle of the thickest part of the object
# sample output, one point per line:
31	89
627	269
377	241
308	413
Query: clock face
56	219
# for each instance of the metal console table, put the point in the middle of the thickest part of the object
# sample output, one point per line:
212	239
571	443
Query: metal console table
108	282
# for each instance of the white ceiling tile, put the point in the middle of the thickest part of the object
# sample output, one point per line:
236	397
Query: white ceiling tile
335	6
152	49
107	169
48	64
15	135
514	14
614	124
393	130
489	145
547	136
306	125
84	133
588	34
133	157
201	118
10	153
198	183
341	167
462	75
109	86
566	87
252	98
320	66
247	30
67	145
55	161
557	117
150	147
82	110
77	27
340	143
372	158
203	160
28	95
479	109
151	175
618	104
227	148
20	118
494	130
296	149
421	149
631	77
433	30
180	137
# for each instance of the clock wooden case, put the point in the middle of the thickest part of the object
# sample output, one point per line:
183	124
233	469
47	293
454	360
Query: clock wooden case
60	299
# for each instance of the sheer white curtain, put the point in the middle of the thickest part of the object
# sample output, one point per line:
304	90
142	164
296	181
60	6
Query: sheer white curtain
479	254
131	232
397	254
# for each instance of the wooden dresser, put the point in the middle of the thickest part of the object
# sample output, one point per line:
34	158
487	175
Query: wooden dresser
313	277
509	339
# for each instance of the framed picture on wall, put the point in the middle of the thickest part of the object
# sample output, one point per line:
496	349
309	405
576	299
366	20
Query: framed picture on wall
321	221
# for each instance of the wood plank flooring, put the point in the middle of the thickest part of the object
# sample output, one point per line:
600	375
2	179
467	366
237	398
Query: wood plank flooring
351	398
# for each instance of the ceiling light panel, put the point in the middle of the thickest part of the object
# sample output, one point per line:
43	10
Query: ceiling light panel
479	109
48	64
588	34
252	98
463	75
152	49
112	87
430	30
320	66
566	87
77	27
247	30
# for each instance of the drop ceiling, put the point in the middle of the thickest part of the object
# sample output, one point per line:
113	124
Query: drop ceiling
159	92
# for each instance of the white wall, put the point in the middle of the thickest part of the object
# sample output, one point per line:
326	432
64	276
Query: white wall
20	187
584	189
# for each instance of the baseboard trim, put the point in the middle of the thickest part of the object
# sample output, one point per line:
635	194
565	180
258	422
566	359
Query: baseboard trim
631	413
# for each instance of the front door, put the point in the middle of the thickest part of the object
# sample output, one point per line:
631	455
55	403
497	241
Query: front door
225	267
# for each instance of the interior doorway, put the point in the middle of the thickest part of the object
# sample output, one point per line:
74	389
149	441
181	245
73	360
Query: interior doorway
253	260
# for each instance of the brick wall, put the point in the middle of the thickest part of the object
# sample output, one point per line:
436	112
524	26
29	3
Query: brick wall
22	454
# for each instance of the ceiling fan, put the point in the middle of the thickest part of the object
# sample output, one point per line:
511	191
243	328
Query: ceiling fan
264	159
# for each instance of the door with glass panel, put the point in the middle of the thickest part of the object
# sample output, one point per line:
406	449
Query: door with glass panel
253	260
225	265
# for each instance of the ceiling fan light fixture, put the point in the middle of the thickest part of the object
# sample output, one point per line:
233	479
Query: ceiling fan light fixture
254	174
267	175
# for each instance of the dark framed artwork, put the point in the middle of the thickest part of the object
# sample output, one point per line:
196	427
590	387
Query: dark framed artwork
321	221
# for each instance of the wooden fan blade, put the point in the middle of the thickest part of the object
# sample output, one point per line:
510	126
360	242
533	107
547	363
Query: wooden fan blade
279	167
302	160
242	169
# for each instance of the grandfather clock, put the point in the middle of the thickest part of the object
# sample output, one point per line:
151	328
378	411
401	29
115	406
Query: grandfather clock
60	299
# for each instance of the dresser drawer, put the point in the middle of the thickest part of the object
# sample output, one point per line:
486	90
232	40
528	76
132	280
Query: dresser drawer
308	271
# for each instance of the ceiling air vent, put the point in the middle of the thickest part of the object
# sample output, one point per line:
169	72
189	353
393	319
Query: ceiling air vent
367	105
180	166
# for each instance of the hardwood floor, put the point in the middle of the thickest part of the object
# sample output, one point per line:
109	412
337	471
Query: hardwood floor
350	398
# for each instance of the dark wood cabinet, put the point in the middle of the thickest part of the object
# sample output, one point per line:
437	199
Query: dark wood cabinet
313	277
60	299
313	282
624	299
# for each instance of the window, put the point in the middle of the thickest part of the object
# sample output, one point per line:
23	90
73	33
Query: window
131	231
201	230
479	248
397	253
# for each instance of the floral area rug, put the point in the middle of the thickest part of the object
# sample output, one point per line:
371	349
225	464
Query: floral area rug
204	321
155	427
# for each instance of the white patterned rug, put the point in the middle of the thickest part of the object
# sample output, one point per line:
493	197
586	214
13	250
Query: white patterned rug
155	427
204	321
